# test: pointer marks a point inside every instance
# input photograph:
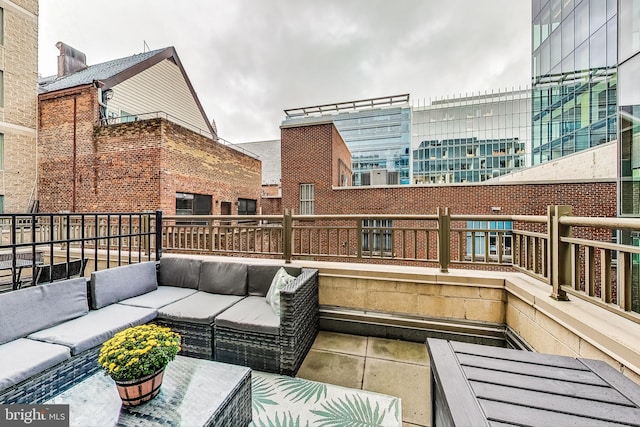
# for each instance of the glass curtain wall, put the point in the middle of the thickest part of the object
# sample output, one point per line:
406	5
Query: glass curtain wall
471	139
574	79
379	140
629	139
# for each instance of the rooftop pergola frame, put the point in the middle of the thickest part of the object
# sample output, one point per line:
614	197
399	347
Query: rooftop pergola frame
385	101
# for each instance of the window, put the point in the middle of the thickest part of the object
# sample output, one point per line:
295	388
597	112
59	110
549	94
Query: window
1	151
307	200
1	26
492	229
246	207
193	204
376	235
1	88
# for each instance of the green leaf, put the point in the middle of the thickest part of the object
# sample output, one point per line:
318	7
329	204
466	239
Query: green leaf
350	411
395	406
261	392
286	421
302	389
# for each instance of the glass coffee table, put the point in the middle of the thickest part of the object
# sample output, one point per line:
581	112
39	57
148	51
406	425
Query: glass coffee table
194	392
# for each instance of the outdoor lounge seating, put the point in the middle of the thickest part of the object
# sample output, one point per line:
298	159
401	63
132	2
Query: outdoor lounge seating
220	310
50	335
50	339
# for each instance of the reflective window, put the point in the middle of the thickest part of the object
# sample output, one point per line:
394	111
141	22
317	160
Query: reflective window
556	48
612	42
567	7
582	22
582	56
629	93
597	14
598	49
629	31
567	36
544	23
545	58
556	13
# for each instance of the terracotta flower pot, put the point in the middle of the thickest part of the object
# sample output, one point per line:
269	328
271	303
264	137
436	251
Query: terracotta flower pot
141	390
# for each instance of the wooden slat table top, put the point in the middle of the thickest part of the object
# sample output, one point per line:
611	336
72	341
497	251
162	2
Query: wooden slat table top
495	386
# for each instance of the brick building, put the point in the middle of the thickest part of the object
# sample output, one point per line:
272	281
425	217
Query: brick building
111	140
18	80
315	155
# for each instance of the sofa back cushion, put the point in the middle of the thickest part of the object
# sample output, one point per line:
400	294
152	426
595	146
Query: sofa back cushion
179	272
226	278
261	276
119	283
31	309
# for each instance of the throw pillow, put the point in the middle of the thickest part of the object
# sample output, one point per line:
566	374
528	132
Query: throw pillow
280	280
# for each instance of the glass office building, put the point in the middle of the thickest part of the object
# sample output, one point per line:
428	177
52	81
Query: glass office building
574	79
471	138
629	106
377	133
629	139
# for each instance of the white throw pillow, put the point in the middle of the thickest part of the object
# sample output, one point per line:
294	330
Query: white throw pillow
280	280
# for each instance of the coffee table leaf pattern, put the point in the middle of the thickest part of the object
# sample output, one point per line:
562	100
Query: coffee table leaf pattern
296	402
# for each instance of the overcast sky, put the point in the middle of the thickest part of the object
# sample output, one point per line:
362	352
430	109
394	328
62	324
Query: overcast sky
248	60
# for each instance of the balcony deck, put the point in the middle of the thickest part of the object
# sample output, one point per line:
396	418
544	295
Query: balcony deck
393	367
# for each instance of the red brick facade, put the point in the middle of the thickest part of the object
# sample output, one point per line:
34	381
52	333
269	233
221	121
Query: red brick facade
307	158
131	166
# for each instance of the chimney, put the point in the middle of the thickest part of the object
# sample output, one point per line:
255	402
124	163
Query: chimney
70	60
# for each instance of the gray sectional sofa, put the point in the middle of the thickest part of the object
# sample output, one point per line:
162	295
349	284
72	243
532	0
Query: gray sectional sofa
50	335
50	338
223	314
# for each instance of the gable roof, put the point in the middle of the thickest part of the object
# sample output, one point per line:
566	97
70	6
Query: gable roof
110	73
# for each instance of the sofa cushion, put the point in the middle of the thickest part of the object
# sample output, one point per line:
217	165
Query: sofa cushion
201	307
162	296
179	272
226	278
40	307
23	358
260	277
252	315
118	283
280	280
96	327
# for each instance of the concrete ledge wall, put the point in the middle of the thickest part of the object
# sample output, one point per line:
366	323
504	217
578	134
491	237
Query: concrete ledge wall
426	295
572	328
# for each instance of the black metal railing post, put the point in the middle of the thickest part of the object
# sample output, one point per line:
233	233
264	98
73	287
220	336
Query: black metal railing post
158	230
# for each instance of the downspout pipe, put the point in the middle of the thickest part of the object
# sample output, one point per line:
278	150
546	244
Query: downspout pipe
75	125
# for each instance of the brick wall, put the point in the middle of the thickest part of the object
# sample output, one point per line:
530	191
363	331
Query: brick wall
66	147
195	164
306	159
131	166
19	52
271	205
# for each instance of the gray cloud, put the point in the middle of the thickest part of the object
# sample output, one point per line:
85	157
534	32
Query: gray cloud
250	59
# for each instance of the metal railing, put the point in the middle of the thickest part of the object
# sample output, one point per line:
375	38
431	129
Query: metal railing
574	255
104	239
